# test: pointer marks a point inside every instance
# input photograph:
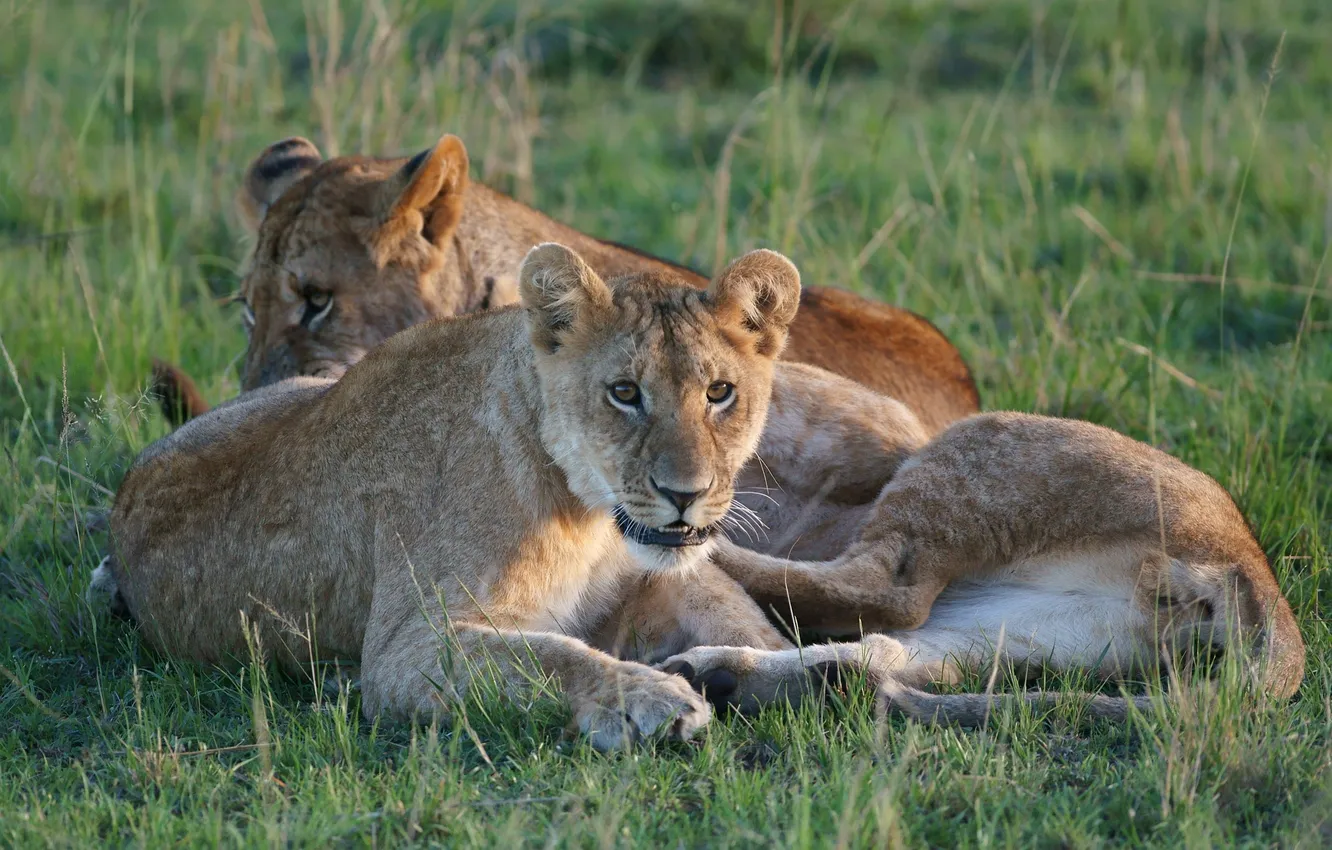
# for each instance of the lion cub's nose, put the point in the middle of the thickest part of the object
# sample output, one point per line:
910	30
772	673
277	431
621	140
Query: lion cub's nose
681	499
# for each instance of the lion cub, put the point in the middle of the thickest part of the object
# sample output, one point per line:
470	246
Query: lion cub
1046	542
477	494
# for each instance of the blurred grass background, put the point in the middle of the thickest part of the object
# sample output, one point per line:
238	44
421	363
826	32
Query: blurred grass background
1118	210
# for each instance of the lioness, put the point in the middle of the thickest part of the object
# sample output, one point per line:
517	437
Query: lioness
1049	543
477	494
353	249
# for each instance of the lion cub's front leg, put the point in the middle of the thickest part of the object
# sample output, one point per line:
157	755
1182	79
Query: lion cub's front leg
615	703
415	665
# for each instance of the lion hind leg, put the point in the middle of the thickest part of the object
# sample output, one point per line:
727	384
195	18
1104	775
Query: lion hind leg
987	627
848	595
898	669
998	626
1238	610
973	710
748	679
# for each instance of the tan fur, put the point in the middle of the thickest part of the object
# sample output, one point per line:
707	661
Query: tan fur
443	513
1039	542
1045	542
389	243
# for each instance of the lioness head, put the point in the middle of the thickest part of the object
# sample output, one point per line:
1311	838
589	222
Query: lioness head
654	392
348	253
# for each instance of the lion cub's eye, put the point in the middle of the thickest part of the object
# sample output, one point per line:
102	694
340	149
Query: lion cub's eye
720	392
626	394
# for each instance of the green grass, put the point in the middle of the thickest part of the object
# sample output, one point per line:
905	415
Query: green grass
1112	208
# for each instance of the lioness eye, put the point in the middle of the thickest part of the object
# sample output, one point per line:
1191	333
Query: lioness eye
720	392
626	394
317	304
247	316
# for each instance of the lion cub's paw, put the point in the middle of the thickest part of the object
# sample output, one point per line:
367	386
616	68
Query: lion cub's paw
747	679
638	702
733	676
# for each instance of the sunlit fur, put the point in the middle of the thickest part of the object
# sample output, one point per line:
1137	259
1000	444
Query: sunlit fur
1015	540
660	338
443	511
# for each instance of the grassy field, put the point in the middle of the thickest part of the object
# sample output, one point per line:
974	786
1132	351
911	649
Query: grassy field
1119	211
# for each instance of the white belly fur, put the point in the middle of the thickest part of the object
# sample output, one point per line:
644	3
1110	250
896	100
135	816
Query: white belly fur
1071	611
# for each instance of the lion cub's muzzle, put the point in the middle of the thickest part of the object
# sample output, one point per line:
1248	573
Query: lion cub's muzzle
676	535
686	518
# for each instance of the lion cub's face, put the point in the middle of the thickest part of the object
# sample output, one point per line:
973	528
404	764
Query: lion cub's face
655	392
345	252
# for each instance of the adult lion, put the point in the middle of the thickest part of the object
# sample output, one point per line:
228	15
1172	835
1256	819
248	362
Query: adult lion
478	496
353	249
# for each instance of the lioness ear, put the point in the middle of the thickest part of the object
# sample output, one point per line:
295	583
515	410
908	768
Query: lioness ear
558	288
273	171
425	196
762	291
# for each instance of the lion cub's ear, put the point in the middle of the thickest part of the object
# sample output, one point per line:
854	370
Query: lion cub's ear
425	196
762	291
558	289
273	171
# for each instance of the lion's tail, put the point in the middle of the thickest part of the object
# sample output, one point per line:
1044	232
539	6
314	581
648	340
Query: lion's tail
177	393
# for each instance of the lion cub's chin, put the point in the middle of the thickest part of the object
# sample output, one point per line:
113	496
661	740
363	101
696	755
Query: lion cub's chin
669	559
667	549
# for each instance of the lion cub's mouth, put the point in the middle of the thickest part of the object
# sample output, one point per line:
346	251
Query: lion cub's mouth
675	535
